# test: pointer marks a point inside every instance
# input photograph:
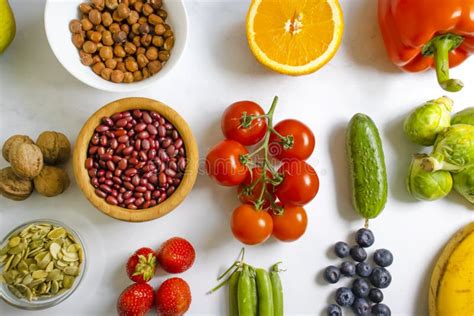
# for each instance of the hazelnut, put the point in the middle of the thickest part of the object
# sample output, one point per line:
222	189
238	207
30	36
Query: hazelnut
26	160
55	147
12	142
51	181
14	187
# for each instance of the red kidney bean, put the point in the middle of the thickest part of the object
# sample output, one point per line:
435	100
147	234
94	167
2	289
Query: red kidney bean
144	140
89	163
95	182
101	128
140	127
152	130
129	186
137	114
129	200
100	193
132	206
111	200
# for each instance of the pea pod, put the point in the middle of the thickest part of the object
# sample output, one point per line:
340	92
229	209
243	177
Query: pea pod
244	293
233	292
277	290
265	294
253	291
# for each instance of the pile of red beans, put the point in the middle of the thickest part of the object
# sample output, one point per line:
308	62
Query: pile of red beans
136	159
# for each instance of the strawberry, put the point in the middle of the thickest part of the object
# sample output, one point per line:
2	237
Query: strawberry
141	266
136	300
176	255
173	297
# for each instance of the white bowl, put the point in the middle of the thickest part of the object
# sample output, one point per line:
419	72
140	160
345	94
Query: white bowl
58	14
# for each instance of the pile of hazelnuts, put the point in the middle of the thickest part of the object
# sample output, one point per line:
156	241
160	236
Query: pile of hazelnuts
123	40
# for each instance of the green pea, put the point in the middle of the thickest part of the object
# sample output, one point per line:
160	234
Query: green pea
233	294
244	293
277	290
265	293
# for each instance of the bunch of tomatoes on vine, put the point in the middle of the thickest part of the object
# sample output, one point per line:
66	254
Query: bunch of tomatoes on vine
274	180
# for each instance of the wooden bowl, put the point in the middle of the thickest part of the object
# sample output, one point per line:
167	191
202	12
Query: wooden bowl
141	215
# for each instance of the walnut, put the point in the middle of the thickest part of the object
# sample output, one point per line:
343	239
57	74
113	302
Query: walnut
26	160
55	147
13	141
14	187
51	181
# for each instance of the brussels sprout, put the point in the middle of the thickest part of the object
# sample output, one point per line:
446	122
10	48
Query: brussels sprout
428	186
464	183
453	150
427	121
465	116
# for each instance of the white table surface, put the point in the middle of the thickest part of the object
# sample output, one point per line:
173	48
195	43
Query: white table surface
217	68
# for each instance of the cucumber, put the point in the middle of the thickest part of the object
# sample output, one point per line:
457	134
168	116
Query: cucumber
367	166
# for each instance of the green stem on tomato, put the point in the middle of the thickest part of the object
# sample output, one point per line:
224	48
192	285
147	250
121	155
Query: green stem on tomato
439	47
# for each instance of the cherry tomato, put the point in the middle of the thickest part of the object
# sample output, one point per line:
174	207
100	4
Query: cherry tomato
303	140
249	195
290	225
234	127
223	163
250	226
300	183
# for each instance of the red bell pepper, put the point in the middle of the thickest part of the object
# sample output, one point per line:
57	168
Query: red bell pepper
420	34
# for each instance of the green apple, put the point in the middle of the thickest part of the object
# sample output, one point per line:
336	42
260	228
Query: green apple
7	25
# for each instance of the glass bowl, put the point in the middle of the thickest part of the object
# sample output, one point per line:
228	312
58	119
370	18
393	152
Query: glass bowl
42	303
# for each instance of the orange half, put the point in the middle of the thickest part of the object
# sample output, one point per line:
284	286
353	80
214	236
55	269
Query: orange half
294	37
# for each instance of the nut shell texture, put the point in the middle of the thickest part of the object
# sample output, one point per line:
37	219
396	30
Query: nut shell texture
13	141
51	181
14	187
26	160
55	147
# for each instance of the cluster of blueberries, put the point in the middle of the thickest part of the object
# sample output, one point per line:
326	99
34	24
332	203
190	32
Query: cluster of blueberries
364	299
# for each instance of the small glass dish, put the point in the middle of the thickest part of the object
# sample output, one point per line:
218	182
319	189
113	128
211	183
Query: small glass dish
42	303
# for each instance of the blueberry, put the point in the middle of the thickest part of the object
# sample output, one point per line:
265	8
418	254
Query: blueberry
363	269
360	288
375	295
347	269
380	278
334	310
332	274
361	307
341	249
381	310
383	257
364	237
358	253
344	296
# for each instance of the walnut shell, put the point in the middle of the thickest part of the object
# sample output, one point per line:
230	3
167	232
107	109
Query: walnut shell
13	141
26	160
55	147
51	181
14	187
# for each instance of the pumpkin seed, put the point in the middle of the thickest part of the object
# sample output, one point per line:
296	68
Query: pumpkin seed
41	261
